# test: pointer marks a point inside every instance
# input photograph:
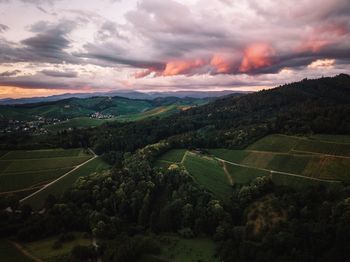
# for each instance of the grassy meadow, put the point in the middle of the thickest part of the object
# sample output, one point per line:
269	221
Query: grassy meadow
43	249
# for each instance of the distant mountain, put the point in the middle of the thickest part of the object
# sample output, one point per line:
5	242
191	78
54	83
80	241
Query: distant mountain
121	93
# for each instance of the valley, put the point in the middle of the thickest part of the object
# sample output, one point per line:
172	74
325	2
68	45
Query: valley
179	179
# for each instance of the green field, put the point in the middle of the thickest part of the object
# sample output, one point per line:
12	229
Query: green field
58	188
9	253
174	248
21	169
161	111
320	159
85	122
315	145
175	155
42	249
45	153
243	175
296	155
208	173
205	171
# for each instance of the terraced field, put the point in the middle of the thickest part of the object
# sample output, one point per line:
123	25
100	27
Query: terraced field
293	161
27	170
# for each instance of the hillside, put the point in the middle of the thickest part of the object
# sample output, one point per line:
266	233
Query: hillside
83	107
306	107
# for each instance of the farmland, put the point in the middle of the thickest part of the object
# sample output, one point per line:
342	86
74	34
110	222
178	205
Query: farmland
58	188
175	248
208	173
24	170
294	161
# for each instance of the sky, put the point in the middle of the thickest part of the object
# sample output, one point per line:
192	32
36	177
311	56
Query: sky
51	47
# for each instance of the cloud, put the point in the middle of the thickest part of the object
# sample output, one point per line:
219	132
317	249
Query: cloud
3	28
176	43
9	73
35	2
66	74
48	45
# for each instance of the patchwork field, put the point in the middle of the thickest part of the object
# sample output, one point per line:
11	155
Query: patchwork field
37	201
293	161
311	158
24	170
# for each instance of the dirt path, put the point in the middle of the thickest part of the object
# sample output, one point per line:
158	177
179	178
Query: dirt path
184	157
276	172
229	177
25	252
66	174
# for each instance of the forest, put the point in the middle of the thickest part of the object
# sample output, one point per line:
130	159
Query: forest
127	207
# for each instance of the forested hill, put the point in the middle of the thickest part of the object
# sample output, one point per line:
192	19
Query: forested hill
309	106
80	107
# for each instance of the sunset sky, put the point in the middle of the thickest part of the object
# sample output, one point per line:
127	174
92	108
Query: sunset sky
64	46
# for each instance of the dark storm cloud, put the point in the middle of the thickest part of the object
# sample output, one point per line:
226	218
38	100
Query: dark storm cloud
10	73
66	74
47	46
109	55
3	28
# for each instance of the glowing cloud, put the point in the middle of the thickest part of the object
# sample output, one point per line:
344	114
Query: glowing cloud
322	63
256	56
221	64
182	67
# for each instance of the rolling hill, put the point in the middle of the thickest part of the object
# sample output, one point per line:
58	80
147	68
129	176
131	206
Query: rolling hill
83	107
